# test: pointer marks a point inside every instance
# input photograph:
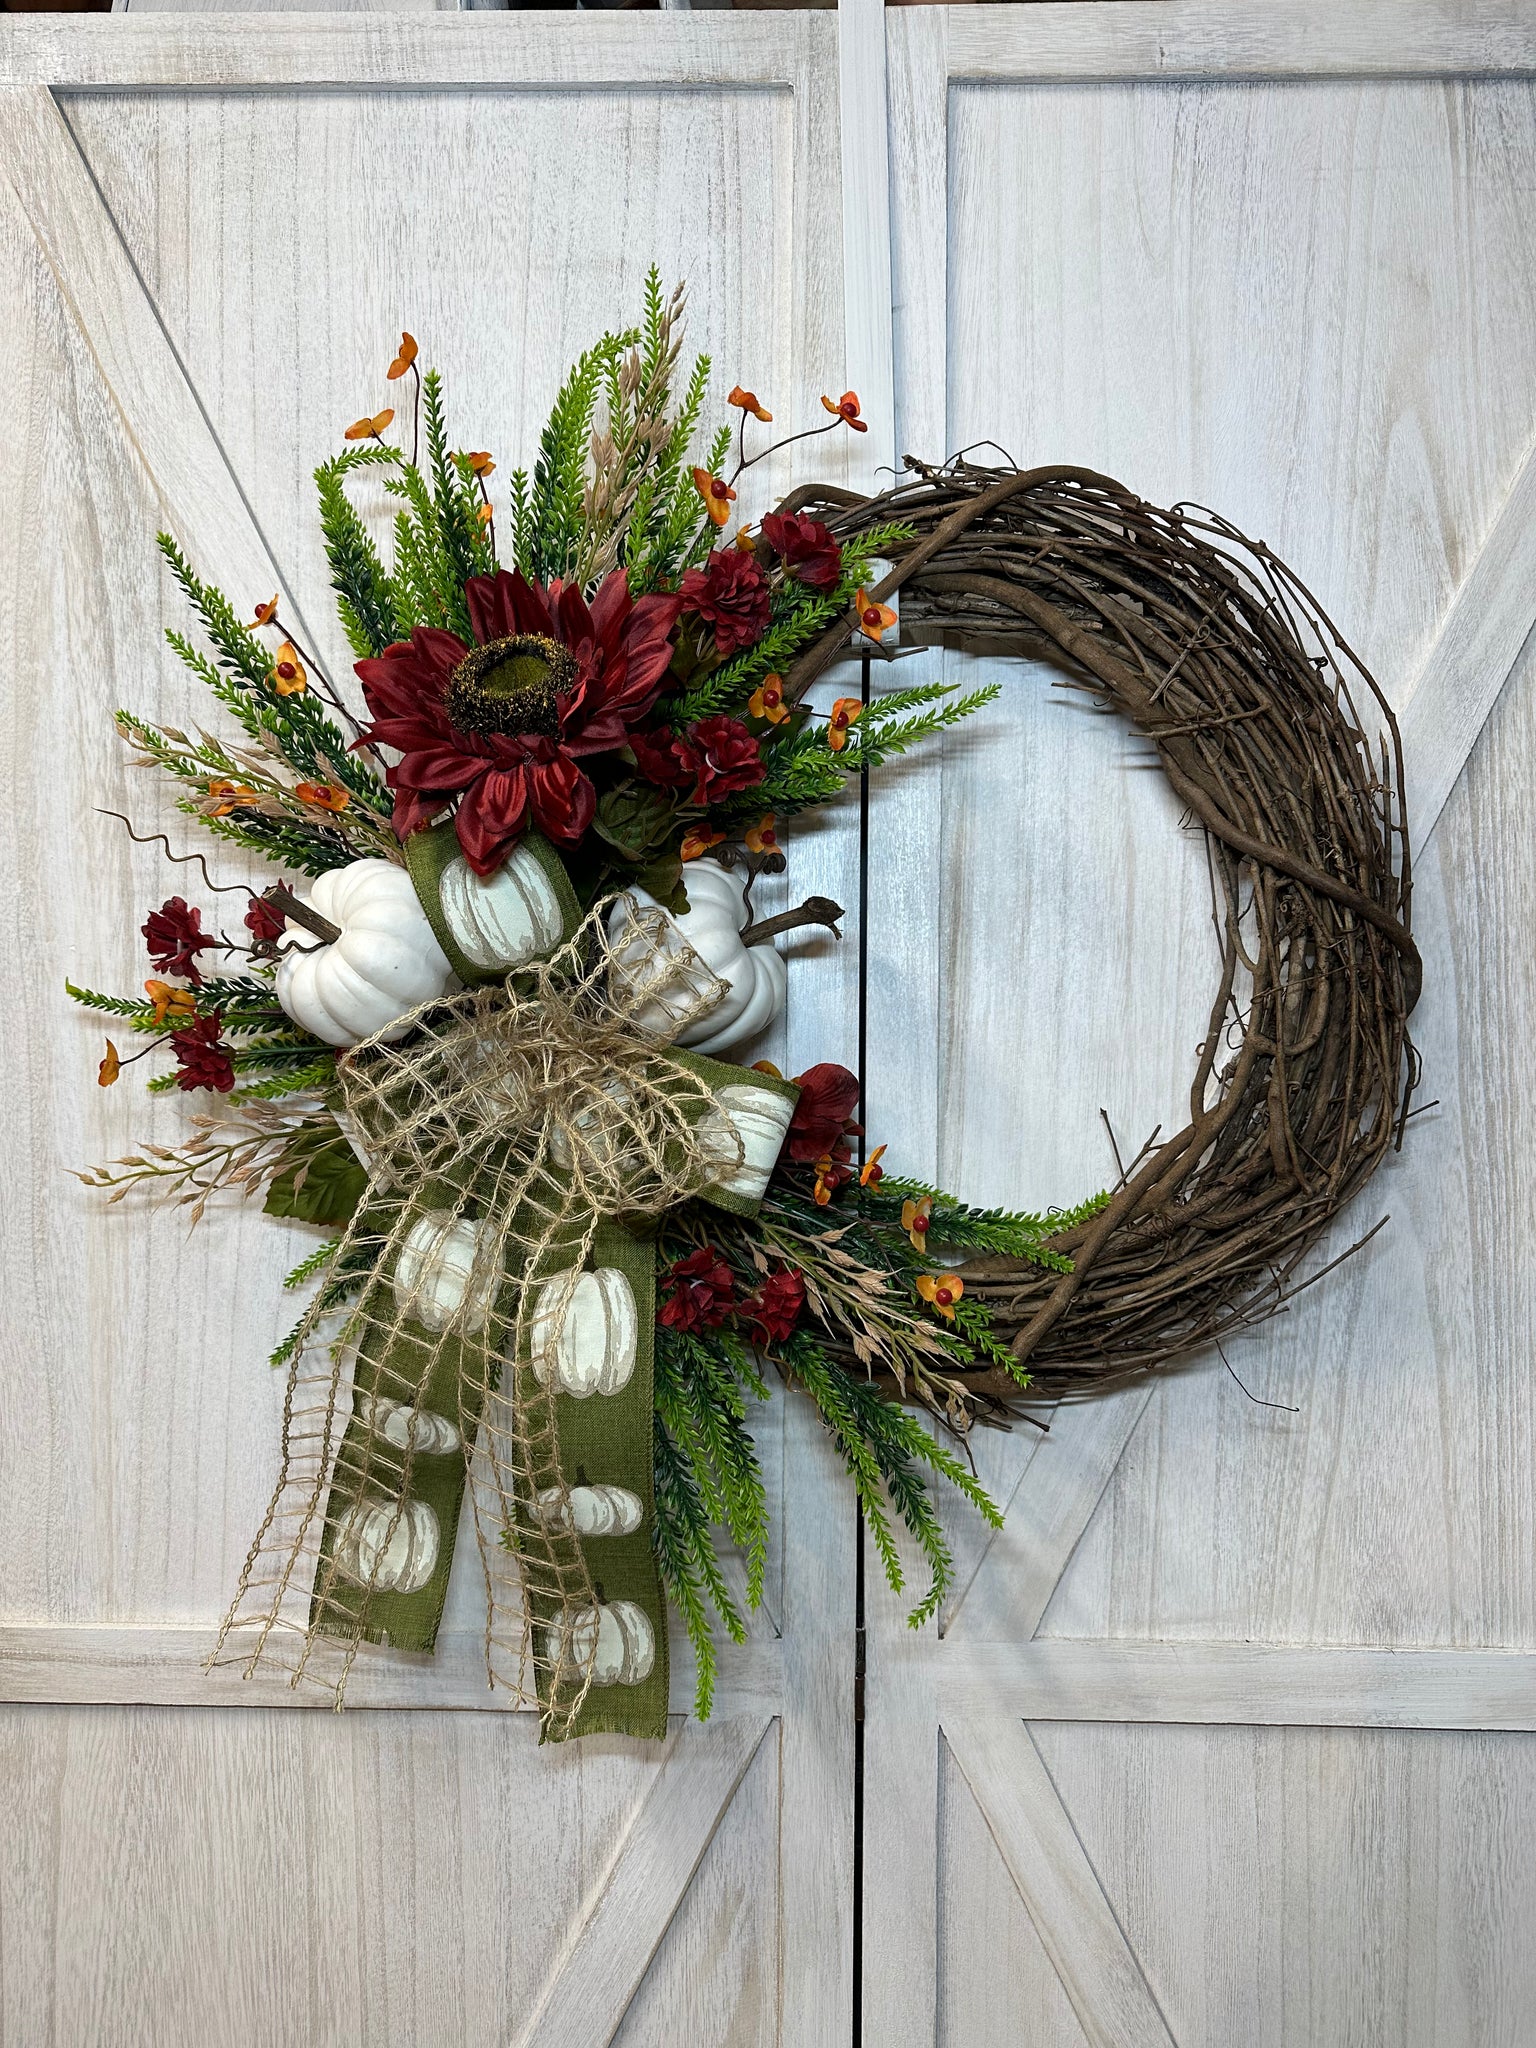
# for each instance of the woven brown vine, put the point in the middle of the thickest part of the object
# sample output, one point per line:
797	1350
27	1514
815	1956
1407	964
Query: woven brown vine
1215	651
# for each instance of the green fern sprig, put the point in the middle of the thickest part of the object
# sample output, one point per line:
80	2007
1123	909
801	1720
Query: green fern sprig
365	592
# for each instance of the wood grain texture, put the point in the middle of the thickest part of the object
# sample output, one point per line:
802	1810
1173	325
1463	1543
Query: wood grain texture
1285	1888
416	51
1115	2005
144	1471
599	1972
1201	39
1219	294
1354	442
177	1877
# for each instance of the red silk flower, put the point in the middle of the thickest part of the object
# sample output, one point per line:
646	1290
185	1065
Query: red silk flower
502	726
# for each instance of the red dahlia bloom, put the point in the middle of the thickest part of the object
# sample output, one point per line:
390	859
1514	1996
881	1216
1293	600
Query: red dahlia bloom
716	755
502	725
775	1308
808	550
176	937
827	1095
730	594
701	1292
202	1061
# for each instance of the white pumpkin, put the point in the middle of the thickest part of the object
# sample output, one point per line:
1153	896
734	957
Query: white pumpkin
388	1546
502	920
757	978
385	963
589	1141
439	1274
744	1132
598	1337
435	1435
617	1638
593	1510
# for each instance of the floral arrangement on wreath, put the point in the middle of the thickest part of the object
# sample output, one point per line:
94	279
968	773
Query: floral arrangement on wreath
565	1242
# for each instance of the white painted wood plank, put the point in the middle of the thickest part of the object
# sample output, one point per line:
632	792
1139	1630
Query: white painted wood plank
1115	2006
438	50
901	1784
178	1879
585	2001
866	235
154	1665
1252	1684
901	1834
1295	1888
1180	39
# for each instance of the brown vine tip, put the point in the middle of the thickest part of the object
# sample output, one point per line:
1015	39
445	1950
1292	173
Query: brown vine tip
814	910
282	899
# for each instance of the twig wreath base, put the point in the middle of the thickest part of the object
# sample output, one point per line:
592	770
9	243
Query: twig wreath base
1215	651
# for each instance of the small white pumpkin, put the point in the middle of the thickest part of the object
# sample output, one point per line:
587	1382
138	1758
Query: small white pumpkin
589	1142
389	1546
593	1511
435	1434
597	1340
625	1643
744	1131
502	920
757	978
385	963
439	1274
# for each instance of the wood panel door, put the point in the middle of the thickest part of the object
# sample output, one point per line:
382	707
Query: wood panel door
213	231
1226	1738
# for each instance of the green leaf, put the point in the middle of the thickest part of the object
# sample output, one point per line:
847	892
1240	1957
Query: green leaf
636	821
320	1179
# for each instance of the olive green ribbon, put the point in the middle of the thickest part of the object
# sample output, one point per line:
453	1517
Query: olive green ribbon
577	1517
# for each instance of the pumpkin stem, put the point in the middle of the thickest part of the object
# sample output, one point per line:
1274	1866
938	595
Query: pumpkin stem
814	910
282	899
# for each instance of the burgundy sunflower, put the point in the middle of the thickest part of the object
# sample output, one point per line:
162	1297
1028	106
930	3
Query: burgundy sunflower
502	725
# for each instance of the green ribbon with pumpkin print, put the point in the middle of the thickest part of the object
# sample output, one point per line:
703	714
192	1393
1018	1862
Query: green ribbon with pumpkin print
417	1451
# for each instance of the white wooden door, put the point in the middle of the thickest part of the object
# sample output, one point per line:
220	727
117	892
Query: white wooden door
1226	1738
212	232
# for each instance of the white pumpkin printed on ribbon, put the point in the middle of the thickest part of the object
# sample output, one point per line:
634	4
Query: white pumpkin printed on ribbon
435	1435
757	980
744	1132
389	1546
440	1273
617	1638
589	1142
385	964
585	1332
592	1510
503	920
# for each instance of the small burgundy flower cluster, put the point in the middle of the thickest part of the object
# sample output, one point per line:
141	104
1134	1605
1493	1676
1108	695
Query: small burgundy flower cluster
700	1294
202	1058
822	1124
175	936
714	758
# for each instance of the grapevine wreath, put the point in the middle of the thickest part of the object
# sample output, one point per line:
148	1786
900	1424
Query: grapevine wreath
487	1049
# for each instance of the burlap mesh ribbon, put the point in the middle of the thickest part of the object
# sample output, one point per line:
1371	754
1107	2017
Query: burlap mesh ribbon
520	1144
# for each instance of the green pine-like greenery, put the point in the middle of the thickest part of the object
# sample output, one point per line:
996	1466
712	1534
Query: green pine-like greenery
631	394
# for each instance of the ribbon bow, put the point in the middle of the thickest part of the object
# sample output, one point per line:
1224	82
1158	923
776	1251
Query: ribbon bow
488	1324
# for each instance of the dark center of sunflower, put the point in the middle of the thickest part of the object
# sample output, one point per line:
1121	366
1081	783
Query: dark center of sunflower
511	686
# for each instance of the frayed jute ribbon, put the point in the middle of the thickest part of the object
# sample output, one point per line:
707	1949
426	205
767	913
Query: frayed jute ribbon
488	1324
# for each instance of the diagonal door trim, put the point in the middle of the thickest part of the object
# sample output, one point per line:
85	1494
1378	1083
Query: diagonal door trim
585	2001
143	376
1087	1947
